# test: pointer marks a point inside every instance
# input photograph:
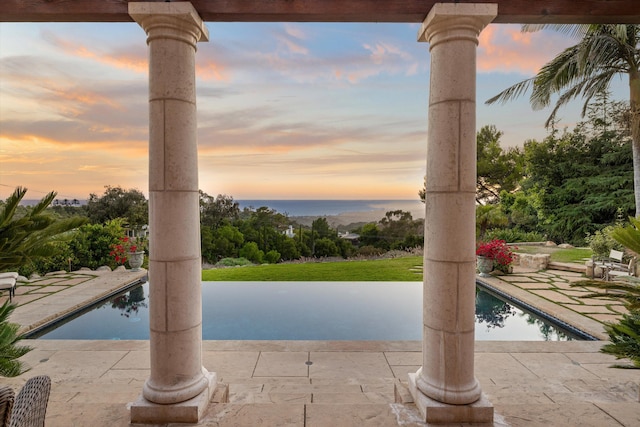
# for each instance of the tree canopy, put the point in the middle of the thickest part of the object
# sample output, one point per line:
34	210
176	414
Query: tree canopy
586	70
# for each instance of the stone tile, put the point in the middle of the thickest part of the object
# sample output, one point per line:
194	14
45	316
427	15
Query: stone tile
605	317
501	368
302	398
605	371
260	414
87	414
380	396
554	296
577	293
610	396
51	289
586	308
312	388
403	357
134	360
126	376
282	364
228	363
356	415
342	398
626	414
584	358
349	364
532	285
73	365
583	415
552	366
402	372
513	396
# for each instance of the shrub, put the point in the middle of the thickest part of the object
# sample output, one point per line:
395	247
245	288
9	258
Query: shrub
370	251
272	257
513	235
251	252
10	348
625	339
233	262
325	247
601	242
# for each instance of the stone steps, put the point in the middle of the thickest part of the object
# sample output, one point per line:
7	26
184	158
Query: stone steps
349	391
345	403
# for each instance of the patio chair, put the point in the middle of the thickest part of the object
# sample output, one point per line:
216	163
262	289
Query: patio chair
8	282
30	406
7	397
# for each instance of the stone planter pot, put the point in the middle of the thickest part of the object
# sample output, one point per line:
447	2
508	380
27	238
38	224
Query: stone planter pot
485	266
135	260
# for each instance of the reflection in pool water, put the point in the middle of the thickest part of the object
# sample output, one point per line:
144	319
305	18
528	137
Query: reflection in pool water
305	311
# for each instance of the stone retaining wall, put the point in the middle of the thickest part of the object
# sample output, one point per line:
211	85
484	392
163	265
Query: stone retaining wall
536	261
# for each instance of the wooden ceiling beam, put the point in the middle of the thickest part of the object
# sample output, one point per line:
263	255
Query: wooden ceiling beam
509	11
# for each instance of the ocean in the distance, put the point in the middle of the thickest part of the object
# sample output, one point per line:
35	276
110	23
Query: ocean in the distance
331	207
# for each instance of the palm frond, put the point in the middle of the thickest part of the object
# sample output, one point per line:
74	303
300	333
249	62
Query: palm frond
10	351
512	92
11	205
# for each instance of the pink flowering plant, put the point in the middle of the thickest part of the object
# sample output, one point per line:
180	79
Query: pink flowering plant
126	245
498	251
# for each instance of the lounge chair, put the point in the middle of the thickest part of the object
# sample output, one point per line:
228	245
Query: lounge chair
7	397
8	284
30	406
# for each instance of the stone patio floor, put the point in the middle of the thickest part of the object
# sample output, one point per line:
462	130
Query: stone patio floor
335	383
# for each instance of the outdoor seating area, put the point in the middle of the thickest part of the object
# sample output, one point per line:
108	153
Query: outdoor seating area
29	407
613	266
8	283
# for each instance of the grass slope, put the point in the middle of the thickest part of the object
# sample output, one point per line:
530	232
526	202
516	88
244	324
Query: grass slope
389	270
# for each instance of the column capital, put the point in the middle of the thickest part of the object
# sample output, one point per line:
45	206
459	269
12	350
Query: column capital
455	21
178	20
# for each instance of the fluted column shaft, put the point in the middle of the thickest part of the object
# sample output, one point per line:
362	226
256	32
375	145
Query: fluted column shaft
447	372
177	375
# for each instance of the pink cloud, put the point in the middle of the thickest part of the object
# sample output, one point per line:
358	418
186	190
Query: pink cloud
505	48
130	61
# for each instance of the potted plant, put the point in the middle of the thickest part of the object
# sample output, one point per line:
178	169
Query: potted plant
495	254
129	249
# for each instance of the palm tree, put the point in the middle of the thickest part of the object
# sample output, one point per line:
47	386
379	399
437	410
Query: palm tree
33	235
10	351
489	216
585	70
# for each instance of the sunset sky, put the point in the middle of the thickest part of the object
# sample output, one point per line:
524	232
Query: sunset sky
285	111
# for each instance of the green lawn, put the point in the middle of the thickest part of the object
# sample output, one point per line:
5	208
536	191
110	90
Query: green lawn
388	270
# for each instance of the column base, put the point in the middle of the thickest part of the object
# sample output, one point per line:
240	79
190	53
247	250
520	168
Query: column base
432	411
190	411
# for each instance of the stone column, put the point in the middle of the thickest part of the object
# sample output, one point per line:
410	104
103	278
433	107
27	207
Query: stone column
445	388
179	388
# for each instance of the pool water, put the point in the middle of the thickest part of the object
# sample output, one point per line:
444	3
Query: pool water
304	311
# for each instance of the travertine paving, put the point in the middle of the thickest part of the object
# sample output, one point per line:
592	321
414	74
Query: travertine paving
329	383
340	383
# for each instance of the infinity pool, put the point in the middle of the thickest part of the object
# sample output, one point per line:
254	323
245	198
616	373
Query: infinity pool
304	311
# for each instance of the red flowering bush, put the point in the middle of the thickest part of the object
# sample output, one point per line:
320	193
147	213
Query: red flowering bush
498	251
127	245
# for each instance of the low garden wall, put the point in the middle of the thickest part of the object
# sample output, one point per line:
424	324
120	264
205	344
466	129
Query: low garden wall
535	261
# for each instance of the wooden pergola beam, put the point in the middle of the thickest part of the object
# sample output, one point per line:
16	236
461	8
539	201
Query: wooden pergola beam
509	11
